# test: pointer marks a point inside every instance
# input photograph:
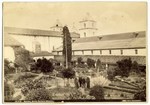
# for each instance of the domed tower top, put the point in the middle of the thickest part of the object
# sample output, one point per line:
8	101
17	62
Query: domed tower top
87	17
73	28
57	26
88	26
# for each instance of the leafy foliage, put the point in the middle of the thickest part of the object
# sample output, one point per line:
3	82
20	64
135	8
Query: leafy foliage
8	91
68	73
124	67
31	85
22	57
77	95
67	46
43	65
7	68
98	64
141	95
135	67
98	92
39	94
79	60
111	74
25	77
90	63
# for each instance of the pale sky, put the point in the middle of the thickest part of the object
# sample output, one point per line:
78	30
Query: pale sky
111	17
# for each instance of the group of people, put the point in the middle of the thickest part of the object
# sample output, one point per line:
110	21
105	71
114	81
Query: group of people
83	82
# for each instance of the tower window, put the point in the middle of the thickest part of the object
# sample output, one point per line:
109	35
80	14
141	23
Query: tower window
93	33
84	34
136	51
84	25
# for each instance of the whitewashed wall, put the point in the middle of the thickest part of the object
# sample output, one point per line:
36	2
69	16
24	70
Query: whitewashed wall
142	52
115	52
25	40
87	53
78	53
47	43
9	53
126	52
105	52
129	52
96	52
47	57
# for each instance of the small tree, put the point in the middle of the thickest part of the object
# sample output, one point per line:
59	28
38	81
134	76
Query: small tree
124	67
98	65
98	92
7	68
46	66
90	63
135	67
67	46
68	73
22	57
111	74
79	60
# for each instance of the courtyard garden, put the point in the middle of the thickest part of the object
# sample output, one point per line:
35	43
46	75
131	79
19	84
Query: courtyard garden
47	80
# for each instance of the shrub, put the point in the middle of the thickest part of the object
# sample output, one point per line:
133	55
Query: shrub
135	67
68	73
39	95
31	85
8	91
7	68
111	74
141	95
98	92
90	63
22	57
124	67
98	64
79	60
44	65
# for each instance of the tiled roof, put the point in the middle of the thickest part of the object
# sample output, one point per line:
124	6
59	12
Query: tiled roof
112	37
36	32
10	41
126	40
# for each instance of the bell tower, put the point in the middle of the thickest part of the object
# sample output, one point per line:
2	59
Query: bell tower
87	26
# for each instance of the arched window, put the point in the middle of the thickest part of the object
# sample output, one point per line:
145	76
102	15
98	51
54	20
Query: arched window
84	25
84	34
92	24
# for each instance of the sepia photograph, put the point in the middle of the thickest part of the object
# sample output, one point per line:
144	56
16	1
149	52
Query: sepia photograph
74	52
